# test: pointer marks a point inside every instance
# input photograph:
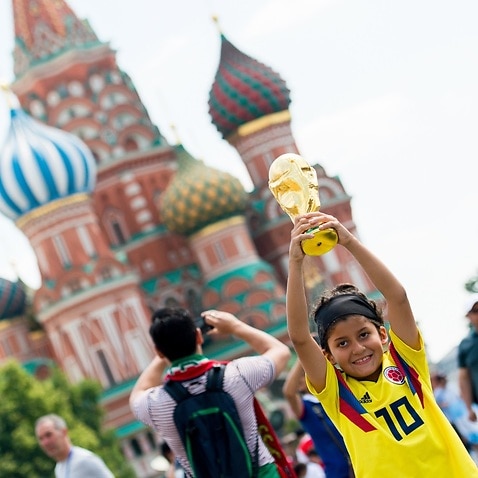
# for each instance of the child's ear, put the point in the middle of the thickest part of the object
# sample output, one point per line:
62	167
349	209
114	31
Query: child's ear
383	335
329	357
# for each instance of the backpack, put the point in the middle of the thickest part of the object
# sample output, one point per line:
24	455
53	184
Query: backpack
211	430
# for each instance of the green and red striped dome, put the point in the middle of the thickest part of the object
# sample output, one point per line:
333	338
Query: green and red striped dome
244	90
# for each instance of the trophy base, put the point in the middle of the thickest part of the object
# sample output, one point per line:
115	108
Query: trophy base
322	242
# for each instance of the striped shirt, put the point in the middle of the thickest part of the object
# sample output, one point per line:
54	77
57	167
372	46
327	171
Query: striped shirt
243	377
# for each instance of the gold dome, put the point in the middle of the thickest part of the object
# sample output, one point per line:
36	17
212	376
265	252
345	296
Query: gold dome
199	195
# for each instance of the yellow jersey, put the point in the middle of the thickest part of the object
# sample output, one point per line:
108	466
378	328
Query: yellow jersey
394	427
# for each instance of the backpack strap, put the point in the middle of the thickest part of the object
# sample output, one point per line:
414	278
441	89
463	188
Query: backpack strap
215	377
214	381
176	390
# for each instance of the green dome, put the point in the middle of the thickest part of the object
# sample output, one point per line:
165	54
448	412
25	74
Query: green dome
199	195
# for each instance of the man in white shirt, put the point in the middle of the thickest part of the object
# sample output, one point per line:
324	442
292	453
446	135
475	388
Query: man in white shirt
178	343
71	461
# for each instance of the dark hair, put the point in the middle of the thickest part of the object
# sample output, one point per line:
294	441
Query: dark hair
173	332
323	330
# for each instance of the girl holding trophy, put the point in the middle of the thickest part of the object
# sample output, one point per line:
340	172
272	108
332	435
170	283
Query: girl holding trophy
374	385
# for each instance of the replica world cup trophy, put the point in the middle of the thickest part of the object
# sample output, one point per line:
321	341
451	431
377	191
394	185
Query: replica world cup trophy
293	182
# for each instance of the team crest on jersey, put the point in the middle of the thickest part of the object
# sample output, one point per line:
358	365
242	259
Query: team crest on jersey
393	374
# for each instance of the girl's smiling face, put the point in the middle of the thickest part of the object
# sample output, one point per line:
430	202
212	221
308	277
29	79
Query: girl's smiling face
356	346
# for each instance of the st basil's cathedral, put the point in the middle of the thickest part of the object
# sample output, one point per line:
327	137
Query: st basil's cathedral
121	222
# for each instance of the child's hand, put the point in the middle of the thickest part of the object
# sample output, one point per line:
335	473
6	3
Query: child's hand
326	221
299	232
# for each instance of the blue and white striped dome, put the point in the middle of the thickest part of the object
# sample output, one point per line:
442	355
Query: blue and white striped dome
39	164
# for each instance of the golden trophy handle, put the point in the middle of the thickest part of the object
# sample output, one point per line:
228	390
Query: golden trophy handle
293	182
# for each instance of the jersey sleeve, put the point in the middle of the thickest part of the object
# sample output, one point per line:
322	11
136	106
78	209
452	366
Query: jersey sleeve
415	358
329	396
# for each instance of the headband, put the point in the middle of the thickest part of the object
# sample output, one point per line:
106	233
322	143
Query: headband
341	306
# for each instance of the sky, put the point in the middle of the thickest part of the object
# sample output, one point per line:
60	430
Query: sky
384	95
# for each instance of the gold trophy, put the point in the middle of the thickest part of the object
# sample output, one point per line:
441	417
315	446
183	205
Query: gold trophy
293	182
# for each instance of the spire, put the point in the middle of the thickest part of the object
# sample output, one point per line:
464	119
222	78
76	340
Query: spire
46	28
12	100
215	19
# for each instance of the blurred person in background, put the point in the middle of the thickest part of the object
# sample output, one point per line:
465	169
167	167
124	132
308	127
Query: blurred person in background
468	359
326	439
71	461
455	410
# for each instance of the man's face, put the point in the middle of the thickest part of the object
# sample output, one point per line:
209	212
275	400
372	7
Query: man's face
54	442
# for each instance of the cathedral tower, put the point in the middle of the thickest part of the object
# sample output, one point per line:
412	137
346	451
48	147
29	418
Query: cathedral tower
89	303
208	206
69	79
249	105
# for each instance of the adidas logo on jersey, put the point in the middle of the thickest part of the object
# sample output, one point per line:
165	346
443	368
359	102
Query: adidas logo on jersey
366	398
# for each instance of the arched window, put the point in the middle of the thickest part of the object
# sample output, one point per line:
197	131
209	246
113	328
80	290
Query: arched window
106	367
118	232
115	224
136	447
130	144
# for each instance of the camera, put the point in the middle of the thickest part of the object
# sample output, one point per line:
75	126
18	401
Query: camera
202	325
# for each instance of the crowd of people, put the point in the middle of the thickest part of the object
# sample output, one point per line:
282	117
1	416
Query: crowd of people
364	395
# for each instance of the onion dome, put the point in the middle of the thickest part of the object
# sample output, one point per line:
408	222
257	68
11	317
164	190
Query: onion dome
39	164
44	29
244	90
199	195
12	299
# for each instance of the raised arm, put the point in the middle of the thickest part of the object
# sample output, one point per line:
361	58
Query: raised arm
152	376
262	342
399	312
310	354
291	389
